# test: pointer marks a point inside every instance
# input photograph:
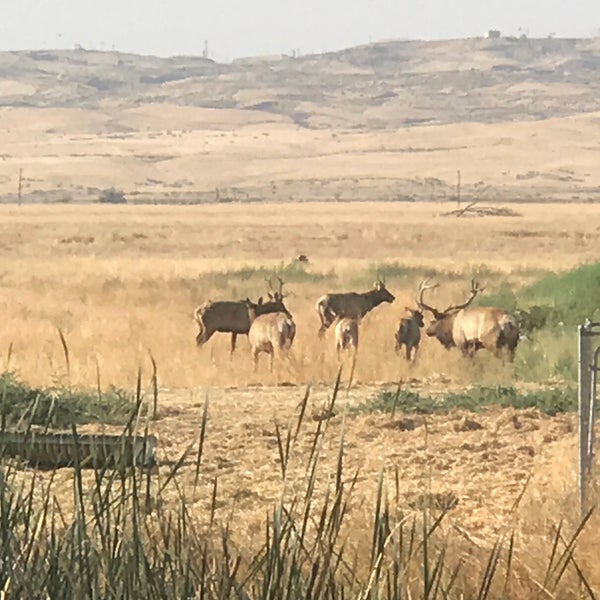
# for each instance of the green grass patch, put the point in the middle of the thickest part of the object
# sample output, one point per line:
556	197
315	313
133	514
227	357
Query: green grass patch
60	408
556	298
255	277
550	401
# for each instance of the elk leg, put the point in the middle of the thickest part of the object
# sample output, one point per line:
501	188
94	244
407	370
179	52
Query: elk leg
255	357
408	352
233	340
272	356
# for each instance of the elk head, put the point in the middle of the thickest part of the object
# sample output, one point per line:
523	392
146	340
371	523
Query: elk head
416	315
382	293
441	326
276	296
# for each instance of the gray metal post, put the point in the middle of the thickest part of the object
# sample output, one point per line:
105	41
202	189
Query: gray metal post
593	389
583	409
586	404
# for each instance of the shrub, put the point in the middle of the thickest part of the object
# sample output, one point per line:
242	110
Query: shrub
112	196
550	401
60	407
556	298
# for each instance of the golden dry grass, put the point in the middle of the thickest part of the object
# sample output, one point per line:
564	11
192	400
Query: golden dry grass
123	281
120	281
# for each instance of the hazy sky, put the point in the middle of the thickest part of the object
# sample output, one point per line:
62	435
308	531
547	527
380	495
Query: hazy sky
237	28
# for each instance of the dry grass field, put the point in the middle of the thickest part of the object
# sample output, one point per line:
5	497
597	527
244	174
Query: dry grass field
121	282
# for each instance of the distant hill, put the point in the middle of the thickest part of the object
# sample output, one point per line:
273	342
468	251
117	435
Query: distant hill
377	86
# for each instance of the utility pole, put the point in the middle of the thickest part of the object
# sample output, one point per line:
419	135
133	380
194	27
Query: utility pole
458	188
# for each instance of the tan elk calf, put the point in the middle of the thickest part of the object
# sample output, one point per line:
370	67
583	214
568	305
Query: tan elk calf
350	304
472	328
270	333
408	334
346	334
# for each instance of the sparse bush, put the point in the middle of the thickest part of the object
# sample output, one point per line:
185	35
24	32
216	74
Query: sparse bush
60	407
112	196
556	298
551	401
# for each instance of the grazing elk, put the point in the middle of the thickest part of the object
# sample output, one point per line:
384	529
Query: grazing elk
270	333
471	329
346	334
229	316
408	333
351	304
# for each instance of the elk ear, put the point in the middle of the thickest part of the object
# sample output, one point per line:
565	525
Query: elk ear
270	295
260	301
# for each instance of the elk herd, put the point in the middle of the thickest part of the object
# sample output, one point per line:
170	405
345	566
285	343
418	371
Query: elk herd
271	328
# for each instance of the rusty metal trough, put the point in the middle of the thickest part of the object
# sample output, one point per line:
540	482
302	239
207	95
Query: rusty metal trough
54	450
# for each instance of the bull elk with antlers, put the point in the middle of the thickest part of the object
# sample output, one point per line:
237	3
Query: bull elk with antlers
471	328
229	316
353	305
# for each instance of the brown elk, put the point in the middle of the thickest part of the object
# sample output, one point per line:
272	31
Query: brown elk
270	333
351	304
408	333
472	328
229	316
346	334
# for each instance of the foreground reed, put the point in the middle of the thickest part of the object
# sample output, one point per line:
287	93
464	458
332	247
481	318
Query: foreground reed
120	538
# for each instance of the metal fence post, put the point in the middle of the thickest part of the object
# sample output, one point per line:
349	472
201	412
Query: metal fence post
588	368
585	346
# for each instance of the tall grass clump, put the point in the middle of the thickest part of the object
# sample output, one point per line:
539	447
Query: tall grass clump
131	534
59	407
548	312
556	298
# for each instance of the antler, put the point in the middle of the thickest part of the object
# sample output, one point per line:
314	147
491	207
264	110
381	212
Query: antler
475	289
276	293
423	287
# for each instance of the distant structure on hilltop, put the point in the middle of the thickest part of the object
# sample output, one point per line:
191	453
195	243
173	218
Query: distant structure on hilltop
492	34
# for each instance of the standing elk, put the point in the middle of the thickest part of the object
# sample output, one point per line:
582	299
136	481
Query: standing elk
346	334
351	304
408	333
471	329
269	333
230	316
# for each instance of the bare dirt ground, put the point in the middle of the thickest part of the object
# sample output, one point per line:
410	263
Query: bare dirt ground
499	470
